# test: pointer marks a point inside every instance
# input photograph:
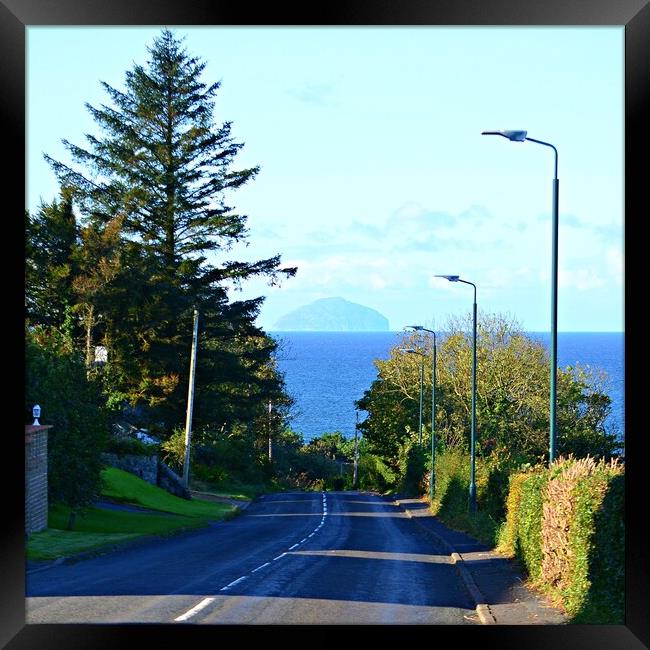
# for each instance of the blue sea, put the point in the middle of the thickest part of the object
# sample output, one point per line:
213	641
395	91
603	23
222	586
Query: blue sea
325	372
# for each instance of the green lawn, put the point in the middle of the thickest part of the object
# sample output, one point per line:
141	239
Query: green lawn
99	527
127	488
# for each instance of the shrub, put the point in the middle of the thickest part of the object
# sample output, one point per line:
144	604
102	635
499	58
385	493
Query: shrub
565	523
375	474
55	378
130	446
528	540
173	450
578	568
412	469
508	531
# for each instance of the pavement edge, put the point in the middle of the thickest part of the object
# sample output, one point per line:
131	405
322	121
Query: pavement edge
482	609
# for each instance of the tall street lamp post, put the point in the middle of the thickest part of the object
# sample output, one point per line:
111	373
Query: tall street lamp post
472	481
521	136
432	477
412	351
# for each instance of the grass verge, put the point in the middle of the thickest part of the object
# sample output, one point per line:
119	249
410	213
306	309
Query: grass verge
99	528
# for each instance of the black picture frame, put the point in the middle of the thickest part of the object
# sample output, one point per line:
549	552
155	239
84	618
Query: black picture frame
634	15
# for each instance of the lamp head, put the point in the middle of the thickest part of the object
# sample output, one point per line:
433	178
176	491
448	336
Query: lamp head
451	278
515	136
413	327
36	412
410	350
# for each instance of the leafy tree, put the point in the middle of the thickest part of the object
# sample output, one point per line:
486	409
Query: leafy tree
55	378
98	263
333	446
512	396
161	165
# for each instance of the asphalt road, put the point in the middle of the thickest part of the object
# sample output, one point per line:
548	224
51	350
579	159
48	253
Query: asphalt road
299	558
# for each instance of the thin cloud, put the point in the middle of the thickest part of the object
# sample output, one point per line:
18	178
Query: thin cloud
314	94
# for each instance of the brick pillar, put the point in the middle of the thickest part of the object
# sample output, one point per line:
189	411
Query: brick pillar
35	477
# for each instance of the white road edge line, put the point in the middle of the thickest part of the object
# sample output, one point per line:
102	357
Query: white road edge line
277	558
294	546
195	610
234	582
261	567
312	534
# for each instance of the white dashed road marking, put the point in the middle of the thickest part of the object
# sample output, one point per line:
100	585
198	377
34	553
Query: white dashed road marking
204	603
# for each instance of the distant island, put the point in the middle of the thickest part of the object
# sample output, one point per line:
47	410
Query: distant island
333	315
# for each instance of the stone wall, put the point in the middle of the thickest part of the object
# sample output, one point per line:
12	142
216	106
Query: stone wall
35	478
172	482
145	467
150	469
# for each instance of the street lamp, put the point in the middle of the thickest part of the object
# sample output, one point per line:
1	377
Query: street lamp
432	478
412	351
472	480
521	136
355	474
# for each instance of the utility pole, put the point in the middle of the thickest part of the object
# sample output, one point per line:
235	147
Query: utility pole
190	402
356	451
270	441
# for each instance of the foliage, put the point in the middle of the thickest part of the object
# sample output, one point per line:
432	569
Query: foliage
412	464
151	245
375	474
565	523
512	408
130	446
55	378
51	236
173	450
451	497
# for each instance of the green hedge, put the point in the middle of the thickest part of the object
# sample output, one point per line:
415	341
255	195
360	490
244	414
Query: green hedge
451	498
565	524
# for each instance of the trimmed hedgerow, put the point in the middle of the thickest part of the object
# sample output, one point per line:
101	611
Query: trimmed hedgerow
565	524
528	540
508	532
582	567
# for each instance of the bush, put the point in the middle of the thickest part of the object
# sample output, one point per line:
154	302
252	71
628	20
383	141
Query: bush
565	523
130	446
605	601
375	474
573	512
412	469
508	530
55	378
528	539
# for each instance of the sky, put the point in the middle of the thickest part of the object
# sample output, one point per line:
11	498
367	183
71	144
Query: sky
374	174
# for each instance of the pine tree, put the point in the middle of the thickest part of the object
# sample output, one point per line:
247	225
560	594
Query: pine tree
163	166
51	237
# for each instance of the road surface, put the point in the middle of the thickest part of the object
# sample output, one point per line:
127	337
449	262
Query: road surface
290	558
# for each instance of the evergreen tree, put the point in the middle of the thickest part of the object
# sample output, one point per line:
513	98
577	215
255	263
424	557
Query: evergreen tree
162	165
50	239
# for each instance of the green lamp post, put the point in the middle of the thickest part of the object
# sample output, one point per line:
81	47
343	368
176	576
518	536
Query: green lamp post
472	481
522	136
